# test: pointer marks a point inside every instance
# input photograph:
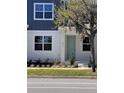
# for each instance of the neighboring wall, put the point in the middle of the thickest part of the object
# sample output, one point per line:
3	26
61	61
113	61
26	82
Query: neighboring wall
84	55
95	46
81	55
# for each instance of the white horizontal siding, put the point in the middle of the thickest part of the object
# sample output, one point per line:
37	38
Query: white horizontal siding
32	54
58	46
82	56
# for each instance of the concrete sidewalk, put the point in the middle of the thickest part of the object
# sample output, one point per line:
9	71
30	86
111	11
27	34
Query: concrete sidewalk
71	77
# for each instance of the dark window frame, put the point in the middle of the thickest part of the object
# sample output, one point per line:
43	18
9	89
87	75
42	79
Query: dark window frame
38	42
46	44
86	46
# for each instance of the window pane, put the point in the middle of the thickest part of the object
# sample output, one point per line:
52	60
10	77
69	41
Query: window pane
47	39
38	46
39	7
38	39
39	14
48	14
86	47
86	40
48	7
47	46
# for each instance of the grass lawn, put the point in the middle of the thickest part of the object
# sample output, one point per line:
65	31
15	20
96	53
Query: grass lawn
60	72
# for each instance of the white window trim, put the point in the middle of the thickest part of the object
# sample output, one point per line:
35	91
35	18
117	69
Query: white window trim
44	11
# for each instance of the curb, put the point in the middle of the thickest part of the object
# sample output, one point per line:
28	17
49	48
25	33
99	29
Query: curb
75	77
83	68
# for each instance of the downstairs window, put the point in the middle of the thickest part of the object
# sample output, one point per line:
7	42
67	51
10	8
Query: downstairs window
86	44
43	43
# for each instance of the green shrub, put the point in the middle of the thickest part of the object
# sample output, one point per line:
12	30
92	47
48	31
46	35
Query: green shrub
72	61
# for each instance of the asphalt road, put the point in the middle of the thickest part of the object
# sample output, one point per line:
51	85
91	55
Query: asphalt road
61	85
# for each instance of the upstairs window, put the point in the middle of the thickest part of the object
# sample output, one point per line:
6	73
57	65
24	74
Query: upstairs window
86	44
43	11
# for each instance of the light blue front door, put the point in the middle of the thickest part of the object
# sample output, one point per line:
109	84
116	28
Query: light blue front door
70	47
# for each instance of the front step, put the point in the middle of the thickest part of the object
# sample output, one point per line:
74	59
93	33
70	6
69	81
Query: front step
82	65
78	63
